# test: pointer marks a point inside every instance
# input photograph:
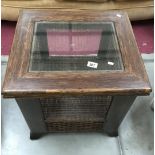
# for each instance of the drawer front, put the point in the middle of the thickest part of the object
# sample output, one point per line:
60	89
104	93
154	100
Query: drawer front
75	113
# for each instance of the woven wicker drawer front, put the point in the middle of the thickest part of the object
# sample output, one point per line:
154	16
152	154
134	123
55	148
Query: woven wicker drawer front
75	113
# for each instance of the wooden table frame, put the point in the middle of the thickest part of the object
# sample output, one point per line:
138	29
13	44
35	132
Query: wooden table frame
33	115
27	86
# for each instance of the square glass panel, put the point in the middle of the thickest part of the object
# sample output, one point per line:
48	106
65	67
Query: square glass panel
75	46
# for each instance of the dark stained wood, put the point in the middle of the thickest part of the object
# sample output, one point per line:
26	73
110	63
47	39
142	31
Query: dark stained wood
32	112
118	109
21	83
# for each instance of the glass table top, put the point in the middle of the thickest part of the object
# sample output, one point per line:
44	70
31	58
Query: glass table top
75	46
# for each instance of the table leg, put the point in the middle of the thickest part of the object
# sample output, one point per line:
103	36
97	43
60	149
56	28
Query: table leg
118	109
32	113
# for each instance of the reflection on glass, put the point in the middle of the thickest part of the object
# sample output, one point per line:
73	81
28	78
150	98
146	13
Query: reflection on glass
70	46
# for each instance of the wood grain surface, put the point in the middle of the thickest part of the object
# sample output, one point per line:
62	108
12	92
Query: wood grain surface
19	82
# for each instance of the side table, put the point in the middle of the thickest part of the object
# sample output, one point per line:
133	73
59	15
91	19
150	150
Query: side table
74	71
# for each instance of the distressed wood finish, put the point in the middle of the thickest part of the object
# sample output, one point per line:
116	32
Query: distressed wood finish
21	83
38	93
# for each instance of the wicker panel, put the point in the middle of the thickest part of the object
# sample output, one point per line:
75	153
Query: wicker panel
74	126
75	113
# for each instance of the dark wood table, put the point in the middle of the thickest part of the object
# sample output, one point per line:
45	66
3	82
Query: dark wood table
74	71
